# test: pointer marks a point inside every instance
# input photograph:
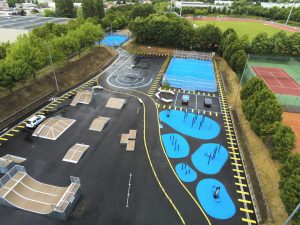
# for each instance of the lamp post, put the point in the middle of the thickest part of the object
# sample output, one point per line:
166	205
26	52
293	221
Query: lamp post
54	74
287	20
292	215
240	84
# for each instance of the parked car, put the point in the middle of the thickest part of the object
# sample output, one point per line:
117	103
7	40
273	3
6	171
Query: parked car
34	121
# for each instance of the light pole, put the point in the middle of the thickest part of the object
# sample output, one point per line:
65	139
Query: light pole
181	8
240	84
54	75
292	215
287	20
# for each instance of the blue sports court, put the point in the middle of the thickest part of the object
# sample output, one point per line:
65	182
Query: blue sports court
114	40
191	75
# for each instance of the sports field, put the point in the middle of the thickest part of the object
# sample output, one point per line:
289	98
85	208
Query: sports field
251	28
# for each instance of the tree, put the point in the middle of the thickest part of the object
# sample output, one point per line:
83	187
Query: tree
241	62
207	37
228	37
290	166
293	44
28	50
278	43
142	10
64	8
232	48
261	44
93	8
3	49
266	114
252	86
49	13
250	105
283	141
290	194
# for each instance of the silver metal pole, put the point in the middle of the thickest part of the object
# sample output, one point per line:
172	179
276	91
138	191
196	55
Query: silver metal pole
292	215
287	20
54	74
240	84
181	8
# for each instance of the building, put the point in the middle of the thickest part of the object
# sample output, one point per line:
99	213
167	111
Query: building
13	26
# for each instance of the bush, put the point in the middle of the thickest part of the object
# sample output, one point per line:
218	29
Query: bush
266	114
251	87
289	184
283	141
250	105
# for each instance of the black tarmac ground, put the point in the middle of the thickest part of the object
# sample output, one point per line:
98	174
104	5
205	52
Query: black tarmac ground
105	168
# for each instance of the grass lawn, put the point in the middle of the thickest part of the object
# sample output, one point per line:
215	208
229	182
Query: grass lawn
250	28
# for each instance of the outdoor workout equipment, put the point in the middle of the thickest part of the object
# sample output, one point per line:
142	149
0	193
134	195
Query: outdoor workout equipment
217	193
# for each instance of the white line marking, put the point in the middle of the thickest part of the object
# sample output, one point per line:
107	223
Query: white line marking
128	191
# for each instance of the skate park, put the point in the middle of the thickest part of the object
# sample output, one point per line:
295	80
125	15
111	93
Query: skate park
106	166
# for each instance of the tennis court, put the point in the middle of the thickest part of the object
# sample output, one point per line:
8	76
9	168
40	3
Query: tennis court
278	80
191	75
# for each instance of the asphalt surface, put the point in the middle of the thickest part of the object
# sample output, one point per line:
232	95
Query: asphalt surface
104	169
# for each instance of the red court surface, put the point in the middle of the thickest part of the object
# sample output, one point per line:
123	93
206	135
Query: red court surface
293	120
278	80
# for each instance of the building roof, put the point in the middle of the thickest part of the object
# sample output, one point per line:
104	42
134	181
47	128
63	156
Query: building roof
28	22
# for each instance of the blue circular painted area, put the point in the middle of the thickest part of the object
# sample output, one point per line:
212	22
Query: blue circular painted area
176	146
210	158
114	40
193	125
185	173
218	204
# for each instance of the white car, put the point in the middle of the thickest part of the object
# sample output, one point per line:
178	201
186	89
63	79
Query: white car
34	121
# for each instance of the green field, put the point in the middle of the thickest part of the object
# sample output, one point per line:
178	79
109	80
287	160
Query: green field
250	28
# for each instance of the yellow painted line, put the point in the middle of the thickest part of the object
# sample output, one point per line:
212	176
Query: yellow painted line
236	164
234	153
246	210
22	123
236	170
3	139
210	113
50	107
233	148
234	158
10	135
41	113
14	130
164	106
58	101
243	192
204	112
175	107
239	177
248	221
208	94
240	184
180	108
20	126
46	110
192	110
169	107
158	105
216	114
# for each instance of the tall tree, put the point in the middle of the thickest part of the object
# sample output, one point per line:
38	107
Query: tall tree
64	8
93	8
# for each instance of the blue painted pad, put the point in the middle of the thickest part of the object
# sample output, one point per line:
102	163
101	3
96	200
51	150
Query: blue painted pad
185	173
222	208
185	97
191	74
208	130
201	156
114	40
176	146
